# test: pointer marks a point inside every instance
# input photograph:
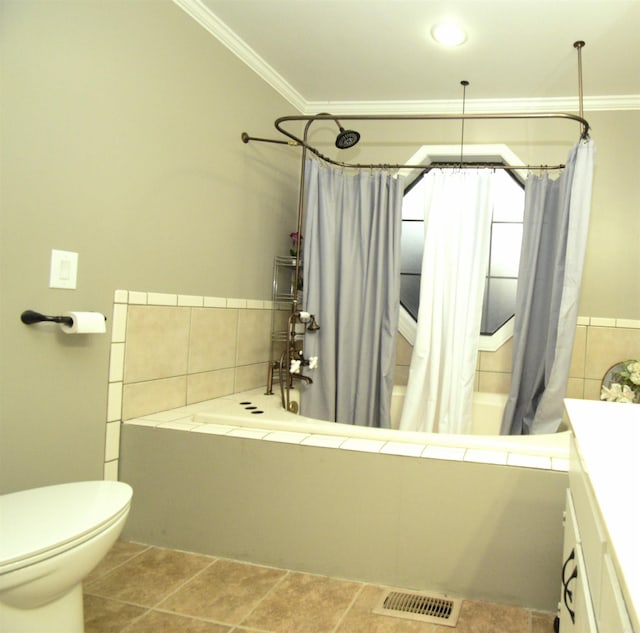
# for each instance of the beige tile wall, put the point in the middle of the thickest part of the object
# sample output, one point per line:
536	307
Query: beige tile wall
599	344
176	356
169	351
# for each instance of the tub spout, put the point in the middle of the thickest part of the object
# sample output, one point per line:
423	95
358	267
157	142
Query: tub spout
303	378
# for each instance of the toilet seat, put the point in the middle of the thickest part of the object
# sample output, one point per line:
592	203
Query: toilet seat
40	523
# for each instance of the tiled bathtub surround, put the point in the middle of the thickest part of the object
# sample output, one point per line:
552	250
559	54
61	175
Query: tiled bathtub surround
169	351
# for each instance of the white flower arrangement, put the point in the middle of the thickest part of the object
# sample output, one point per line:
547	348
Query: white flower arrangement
626	387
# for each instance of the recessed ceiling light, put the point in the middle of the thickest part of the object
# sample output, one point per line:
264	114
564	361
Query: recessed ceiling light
448	34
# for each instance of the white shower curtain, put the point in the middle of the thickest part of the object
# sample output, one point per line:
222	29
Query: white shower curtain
352	285
456	249
556	223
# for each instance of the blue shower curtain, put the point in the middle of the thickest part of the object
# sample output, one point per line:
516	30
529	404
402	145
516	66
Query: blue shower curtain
352	285
556	221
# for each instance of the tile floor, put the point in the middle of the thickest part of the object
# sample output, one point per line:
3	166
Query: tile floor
141	589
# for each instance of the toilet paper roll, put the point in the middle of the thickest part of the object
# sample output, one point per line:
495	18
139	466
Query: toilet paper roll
85	323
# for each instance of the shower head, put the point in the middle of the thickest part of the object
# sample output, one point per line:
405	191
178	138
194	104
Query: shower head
346	138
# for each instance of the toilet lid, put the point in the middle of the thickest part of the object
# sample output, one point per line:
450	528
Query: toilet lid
41	519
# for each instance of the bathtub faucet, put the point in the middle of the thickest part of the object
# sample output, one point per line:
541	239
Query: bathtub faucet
303	378
292	359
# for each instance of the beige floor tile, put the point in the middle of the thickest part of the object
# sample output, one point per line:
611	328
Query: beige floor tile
360	619
542	622
192	593
226	592
108	616
149	577
485	617
159	622
303	603
120	553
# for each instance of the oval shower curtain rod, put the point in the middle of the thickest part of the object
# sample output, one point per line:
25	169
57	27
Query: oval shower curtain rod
302	142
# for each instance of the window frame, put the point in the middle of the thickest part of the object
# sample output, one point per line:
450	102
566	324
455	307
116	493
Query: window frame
438	153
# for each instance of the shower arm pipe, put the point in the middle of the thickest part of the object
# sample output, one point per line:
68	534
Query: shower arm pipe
301	190
246	138
301	193
286	384
420	117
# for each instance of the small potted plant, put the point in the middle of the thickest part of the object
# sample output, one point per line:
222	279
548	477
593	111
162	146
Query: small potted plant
293	251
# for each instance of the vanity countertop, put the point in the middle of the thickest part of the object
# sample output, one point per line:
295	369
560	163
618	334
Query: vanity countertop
608	441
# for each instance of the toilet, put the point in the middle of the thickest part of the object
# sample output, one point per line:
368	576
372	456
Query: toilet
50	539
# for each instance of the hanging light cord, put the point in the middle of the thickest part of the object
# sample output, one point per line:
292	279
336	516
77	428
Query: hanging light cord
464	83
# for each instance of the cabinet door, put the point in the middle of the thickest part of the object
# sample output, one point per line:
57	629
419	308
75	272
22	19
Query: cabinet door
613	611
568	584
576	609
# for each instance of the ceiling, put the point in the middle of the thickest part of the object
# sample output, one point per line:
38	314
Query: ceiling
378	55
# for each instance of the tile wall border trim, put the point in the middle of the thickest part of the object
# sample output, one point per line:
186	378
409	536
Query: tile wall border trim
139	297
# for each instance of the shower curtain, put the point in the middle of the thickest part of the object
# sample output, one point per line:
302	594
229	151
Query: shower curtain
457	218
351	283
556	221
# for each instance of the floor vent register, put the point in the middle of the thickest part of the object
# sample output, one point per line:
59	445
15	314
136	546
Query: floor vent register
424	607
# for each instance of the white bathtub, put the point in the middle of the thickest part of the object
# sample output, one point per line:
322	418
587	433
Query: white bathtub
255	414
486	415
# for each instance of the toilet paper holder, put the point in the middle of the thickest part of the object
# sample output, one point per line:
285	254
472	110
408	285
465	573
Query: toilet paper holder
29	317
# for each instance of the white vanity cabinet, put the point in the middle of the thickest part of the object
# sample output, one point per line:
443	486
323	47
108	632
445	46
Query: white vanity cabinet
600	589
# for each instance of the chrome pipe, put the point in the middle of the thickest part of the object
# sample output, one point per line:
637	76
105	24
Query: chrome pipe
246	138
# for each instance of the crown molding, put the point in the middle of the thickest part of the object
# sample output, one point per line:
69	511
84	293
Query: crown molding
475	106
208	20
201	14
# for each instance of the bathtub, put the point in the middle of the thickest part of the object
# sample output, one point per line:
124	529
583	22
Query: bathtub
478	516
257	415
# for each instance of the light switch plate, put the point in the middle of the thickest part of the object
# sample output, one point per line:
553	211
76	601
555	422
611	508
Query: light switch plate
64	269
